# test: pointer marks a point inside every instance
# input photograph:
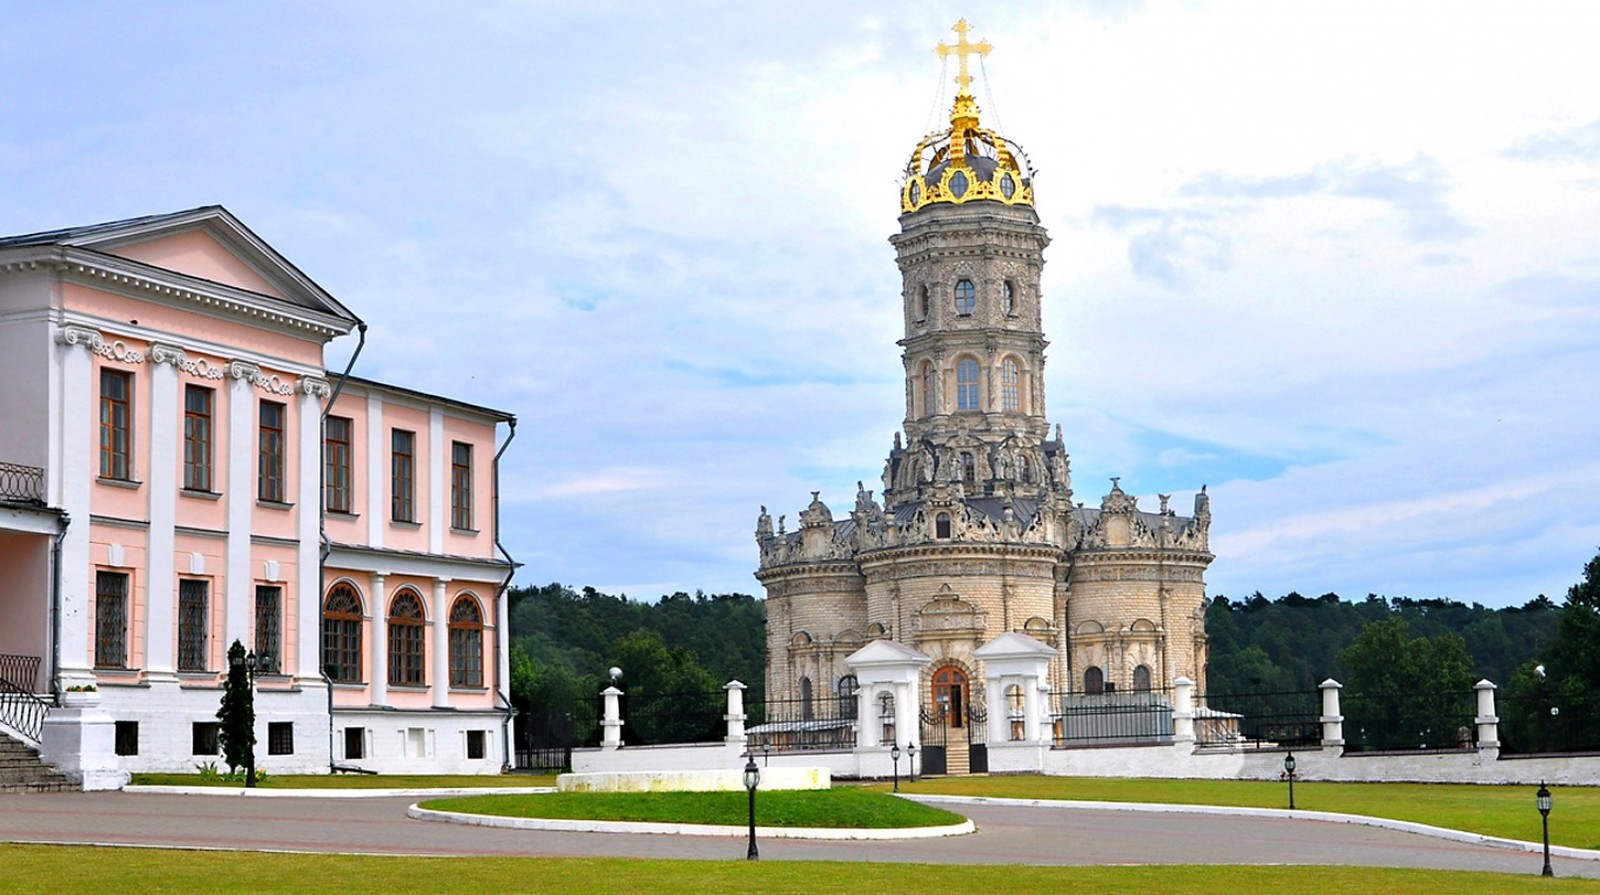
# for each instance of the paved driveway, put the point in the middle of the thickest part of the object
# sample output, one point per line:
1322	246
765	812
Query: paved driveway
1006	834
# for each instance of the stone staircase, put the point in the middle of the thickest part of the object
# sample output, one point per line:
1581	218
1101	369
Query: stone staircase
957	757
22	771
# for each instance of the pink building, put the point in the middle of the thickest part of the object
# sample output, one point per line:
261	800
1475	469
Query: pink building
179	470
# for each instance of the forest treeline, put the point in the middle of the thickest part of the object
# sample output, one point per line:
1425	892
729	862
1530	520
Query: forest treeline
565	640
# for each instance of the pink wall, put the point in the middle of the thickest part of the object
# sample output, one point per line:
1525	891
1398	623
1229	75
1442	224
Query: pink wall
25	595
182	324
198	255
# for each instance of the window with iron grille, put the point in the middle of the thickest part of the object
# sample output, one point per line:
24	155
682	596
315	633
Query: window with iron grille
269	475
466	643
205	739
127	737
111	620
116	394
197	438
405	640
192	599
336	463
269	628
341	634
402	475
280	738
460	485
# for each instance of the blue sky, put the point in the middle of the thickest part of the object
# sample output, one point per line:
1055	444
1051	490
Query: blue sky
1336	262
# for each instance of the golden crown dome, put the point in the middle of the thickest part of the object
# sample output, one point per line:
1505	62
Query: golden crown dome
967	162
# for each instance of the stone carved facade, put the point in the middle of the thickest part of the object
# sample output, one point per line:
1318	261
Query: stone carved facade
977	533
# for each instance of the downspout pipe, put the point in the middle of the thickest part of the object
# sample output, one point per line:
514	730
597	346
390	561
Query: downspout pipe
55	605
503	635
322	531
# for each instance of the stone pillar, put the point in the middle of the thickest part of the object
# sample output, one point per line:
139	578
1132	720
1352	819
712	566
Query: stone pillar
1015	660
378	662
238	615
611	724
1332	718
307	603
1488	723
161	477
735	716
69	483
81	743
994	691
441	644
1183	710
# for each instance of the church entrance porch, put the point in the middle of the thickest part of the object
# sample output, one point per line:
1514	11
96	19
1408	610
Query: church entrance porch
954	726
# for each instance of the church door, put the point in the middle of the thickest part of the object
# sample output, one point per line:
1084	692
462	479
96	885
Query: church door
950	695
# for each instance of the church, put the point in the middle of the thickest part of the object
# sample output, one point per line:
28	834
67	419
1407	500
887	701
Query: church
977	534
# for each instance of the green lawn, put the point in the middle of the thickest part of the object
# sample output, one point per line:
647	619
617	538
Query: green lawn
48	870
356	781
1495	810
841	807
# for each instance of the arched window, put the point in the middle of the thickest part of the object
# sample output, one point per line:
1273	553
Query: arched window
930	390
1094	680
849	686
1141	679
966	297
1010	394
805	699
341	634
405	640
466	643
969	468
967	384
922	304
1014	711
941	525
886	716
1024	471
950	695
1008	302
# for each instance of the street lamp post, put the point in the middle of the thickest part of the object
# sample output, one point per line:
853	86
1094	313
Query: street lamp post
1288	771
894	754
766	751
1542	799
911	759
752	779
252	663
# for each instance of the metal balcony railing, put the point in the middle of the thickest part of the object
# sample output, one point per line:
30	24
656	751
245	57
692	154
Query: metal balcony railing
21	484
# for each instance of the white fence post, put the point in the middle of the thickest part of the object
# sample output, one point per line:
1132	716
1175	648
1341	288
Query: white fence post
1332	716
1183	710
735	716
1488	722
611	733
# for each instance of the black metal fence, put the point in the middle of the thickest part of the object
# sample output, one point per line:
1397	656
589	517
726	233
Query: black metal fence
657	719
545	739
22	710
20	671
787	725
22	484
1552	723
1409	722
1263	720
1105	719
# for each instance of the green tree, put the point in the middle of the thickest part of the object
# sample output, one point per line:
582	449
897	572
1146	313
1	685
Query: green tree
1587	591
1406	692
237	715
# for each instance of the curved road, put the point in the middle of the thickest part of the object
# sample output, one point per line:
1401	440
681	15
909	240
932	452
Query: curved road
1007	834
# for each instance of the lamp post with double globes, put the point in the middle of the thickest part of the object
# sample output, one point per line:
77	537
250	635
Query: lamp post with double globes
752	779
1542	800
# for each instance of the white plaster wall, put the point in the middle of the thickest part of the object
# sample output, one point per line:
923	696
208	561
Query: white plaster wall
166	714
390	746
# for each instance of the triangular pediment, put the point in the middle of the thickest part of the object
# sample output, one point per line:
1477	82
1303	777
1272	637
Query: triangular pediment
886	652
206	244
1012	645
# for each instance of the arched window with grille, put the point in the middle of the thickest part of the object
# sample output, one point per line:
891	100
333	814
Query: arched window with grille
406	636
967	384
805	699
1094	680
886	717
966	297
341	634
1141	679
849	686
941	525
1010	389
969	468
466	643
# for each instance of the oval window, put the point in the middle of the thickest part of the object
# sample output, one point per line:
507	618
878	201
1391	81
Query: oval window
958	184
1008	186
916	192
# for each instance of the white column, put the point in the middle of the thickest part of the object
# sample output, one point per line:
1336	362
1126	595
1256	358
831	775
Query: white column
999	709
377	445
441	644
1183	710
1488	723
241	501
378	662
611	724
308	533
161	481
735	716
438	481
502	644
70	482
1332	719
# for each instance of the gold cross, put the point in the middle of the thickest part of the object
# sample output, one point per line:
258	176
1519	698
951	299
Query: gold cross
962	49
